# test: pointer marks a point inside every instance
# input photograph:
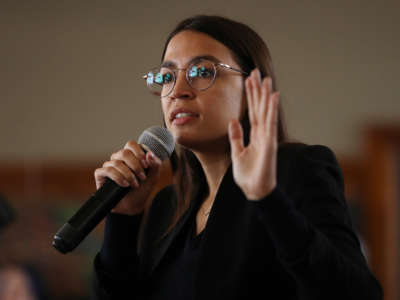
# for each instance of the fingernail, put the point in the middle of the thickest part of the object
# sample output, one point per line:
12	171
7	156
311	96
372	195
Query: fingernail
152	155
126	183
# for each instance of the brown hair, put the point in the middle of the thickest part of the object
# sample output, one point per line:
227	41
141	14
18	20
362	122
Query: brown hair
249	52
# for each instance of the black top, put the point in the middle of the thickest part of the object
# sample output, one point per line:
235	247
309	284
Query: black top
295	243
174	277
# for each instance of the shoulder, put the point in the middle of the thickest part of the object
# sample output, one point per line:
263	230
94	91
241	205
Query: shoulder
302	160
303	153
158	215
165	199
291	149
167	191
163	206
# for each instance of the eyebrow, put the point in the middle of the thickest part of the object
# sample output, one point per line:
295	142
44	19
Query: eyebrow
171	64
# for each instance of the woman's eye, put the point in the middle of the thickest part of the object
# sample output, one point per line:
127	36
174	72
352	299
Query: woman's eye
167	78
201	72
163	78
205	72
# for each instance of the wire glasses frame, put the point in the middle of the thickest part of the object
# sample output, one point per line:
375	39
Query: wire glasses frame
200	75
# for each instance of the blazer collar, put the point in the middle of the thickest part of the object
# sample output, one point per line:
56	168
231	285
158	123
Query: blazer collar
164	245
228	217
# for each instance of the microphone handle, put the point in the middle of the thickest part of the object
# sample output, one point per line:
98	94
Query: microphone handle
68	237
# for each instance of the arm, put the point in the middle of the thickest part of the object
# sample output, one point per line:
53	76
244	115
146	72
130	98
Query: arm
116	267
311	226
117	264
312	230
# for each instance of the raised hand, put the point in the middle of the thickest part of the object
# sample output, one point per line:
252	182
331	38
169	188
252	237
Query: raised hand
254	166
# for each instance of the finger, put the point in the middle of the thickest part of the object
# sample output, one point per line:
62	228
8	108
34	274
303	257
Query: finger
99	178
127	156
109	172
137	151
266	98
272	117
235	138
256	84
154	162
123	169
153	159
250	101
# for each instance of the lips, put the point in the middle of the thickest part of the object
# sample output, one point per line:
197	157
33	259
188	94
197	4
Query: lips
177	111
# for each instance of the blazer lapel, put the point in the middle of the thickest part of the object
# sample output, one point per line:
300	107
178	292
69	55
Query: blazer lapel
159	252
218	253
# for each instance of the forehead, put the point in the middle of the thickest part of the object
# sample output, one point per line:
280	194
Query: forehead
188	44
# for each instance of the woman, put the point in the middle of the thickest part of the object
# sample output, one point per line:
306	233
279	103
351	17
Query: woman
250	215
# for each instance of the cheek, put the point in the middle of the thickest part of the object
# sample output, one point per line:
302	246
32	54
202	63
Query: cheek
164	108
165	114
230	102
225	106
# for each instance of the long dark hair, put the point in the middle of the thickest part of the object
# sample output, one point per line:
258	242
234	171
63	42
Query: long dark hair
249	52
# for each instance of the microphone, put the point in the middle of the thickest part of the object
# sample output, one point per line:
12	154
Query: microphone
156	139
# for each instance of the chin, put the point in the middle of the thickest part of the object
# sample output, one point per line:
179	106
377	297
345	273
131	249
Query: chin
202	144
186	142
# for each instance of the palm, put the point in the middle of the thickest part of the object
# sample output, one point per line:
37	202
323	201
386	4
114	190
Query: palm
254	166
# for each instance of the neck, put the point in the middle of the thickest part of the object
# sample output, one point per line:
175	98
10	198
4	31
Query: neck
214	163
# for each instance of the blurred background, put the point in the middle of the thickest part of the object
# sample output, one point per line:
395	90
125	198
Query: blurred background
71	93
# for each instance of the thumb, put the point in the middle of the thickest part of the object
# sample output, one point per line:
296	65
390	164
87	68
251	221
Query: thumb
235	137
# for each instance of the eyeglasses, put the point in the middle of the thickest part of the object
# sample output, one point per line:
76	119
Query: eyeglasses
200	75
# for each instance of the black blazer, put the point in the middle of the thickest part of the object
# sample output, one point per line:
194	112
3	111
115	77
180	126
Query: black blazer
296	243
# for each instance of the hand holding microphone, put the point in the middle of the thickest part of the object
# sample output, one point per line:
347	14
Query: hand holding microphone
122	185
130	167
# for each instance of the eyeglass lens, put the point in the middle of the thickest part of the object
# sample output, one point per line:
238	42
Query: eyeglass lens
199	75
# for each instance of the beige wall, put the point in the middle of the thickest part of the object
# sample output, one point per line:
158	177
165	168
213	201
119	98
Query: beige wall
70	73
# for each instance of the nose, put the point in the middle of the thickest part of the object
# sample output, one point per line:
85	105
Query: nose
182	89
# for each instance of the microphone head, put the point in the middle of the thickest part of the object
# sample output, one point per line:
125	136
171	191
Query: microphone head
158	140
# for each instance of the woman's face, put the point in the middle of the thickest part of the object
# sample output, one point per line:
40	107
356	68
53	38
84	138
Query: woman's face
211	109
